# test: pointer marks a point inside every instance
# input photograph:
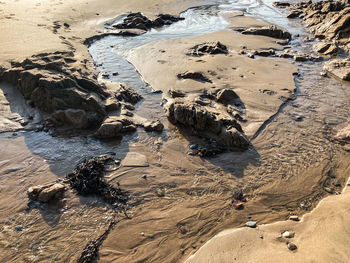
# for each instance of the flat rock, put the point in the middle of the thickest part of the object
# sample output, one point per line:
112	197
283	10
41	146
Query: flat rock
134	159
339	68
252	224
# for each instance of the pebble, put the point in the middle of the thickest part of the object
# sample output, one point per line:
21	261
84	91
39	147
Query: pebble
294	218
19	228
183	230
144	176
238	206
142	234
160	192
251	224
292	246
194	147
288	234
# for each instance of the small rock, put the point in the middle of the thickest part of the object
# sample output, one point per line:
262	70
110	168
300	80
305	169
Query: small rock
142	234
294	218
19	228
292	246
160	192
323	73
238	206
50	193
144	176
288	234
194	146
328	190
251	224
183	230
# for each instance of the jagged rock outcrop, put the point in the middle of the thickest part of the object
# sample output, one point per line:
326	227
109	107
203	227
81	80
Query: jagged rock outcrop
59	85
328	20
208	48
207	121
139	21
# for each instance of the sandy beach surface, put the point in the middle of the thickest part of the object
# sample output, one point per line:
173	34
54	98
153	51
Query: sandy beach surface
183	206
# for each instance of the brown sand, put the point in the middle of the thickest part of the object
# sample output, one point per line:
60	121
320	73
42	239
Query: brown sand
198	192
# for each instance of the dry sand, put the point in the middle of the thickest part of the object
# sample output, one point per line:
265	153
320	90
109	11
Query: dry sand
321	236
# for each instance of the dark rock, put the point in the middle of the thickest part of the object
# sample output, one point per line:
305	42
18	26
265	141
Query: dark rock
199	118
292	246
281	4
127	94
226	96
154	126
52	85
176	94
208	48
270	31
198	76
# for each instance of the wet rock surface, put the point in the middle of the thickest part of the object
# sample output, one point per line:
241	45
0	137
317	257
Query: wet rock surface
46	193
57	84
226	130
208	48
88	179
329	20
139	21
269	31
339	68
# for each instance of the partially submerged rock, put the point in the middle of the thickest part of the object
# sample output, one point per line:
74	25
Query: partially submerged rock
339	68
201	119
139	21
46	193
153	126
208	48
58	84
115	126
269	31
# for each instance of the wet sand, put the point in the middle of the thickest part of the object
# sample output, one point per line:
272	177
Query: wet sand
284	172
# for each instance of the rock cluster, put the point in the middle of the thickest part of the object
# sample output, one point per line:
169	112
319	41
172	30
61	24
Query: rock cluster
139	21
208	48
57	84
328	20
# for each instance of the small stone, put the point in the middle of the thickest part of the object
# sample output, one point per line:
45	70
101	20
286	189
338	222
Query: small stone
194	146
183	230
238	206
292	246
105	75
294	218
144	176
194	246
262	237
288	234
251	224
19	228
51	193
142	234
328	190
323	73
160	192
